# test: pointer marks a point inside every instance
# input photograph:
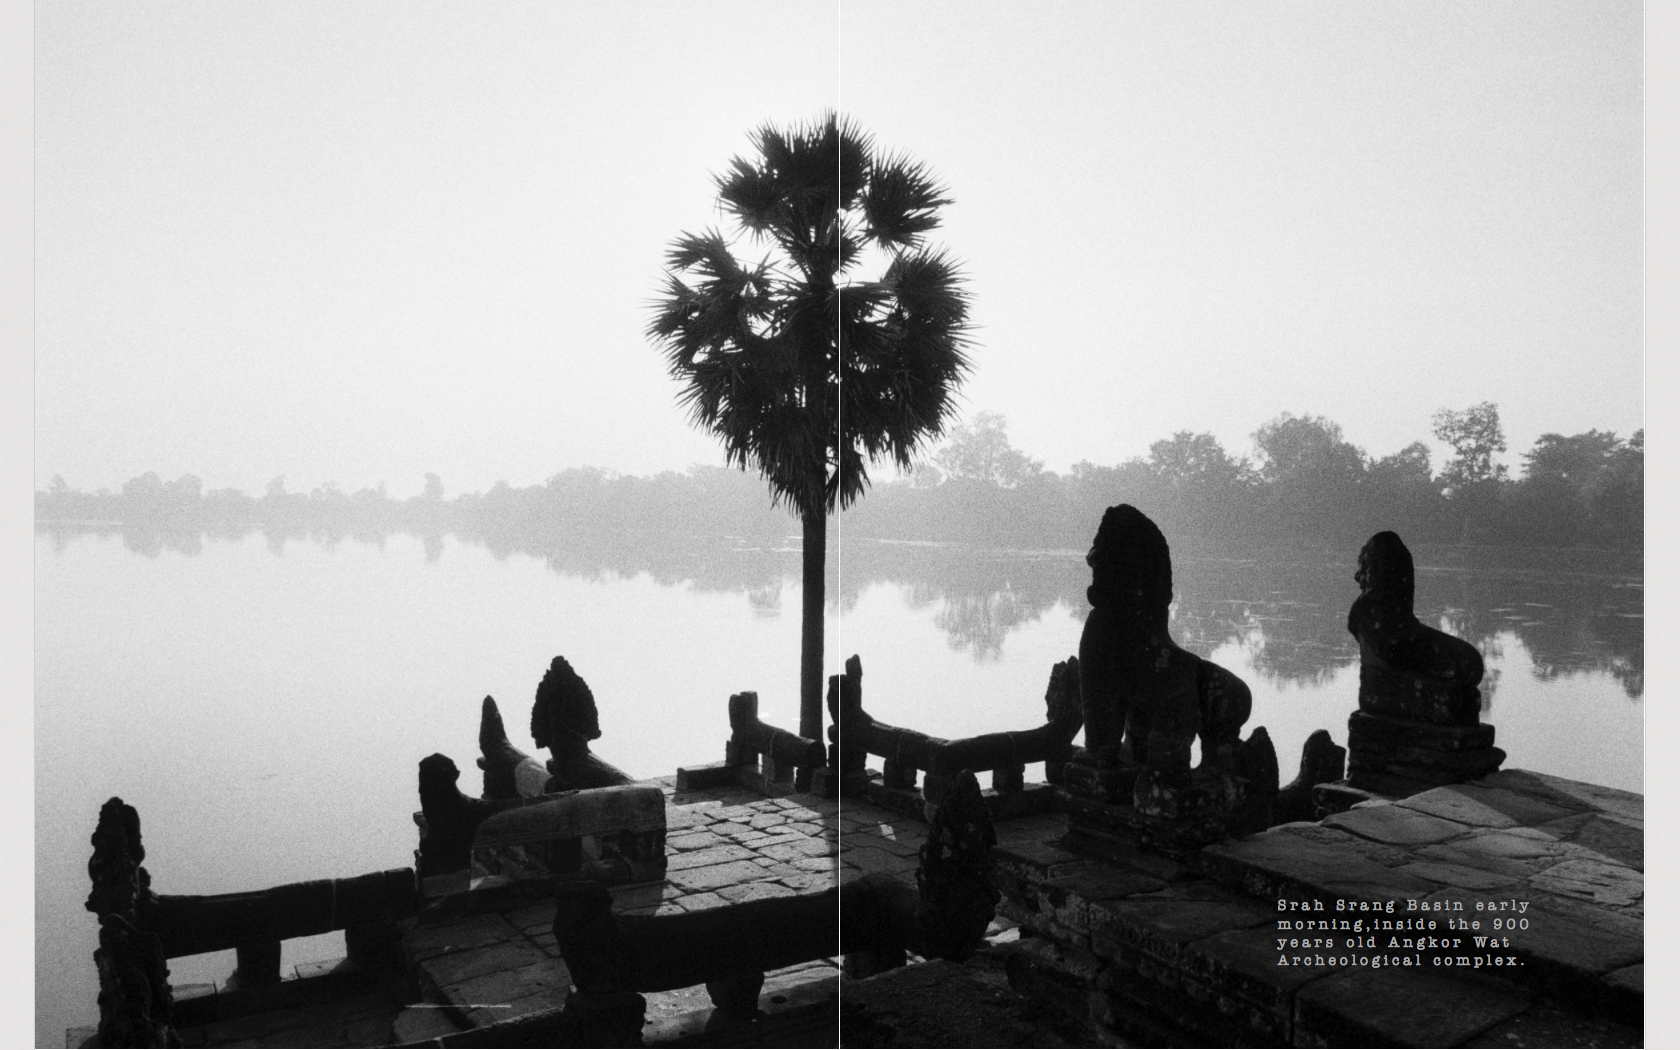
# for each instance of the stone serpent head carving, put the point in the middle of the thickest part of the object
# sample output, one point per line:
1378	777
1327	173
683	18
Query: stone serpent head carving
564	707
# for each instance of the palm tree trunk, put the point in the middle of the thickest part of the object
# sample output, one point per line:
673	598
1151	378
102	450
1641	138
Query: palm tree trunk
811	627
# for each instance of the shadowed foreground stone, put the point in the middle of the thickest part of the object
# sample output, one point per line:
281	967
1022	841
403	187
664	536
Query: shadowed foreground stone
1199	963
940	1004
1396	1007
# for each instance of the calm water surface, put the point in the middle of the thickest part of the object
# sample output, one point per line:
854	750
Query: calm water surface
264	703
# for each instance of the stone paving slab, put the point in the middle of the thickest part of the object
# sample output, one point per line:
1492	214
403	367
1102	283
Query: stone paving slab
1594	797
1488	807
717	876
422	1022
700	858
939	1004
343	1022
1399	1007
1459	875
1074	897
453	968
507	994
471	931
722	847
1167	921
1614	838
1396	825
1547	1026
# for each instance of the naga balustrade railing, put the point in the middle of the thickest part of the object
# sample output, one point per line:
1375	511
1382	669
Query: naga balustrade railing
758	755
908	753
140	930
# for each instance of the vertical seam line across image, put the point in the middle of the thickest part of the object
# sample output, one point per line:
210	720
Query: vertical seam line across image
839	522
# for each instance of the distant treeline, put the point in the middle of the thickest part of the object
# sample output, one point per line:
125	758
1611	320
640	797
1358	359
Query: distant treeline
1305	487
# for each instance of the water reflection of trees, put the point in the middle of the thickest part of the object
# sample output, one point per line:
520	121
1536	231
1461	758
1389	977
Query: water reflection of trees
1287	613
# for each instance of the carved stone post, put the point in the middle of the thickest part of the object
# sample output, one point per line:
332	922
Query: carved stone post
1062	710
845	710
450	819
602	1010
1322	762
957	896
737	994
258	963
136	1006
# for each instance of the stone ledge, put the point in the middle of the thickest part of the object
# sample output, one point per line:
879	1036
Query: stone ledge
1399	1007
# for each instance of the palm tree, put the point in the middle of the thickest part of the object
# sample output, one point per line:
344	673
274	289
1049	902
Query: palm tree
804	368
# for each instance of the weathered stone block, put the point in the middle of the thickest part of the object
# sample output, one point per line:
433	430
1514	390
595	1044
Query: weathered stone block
1383	853
1278	864
717	875
1397	825
1459	875
1163	922
1482	806
694	840
1036	860
1111	784
754	891
1395	1006
1567	949
473	931
1068	898
441	971
1560	791
1338	797
1243	964
879	861
1368	731
1433	767
1628	978
1398	780
1613	840
794	850
708	856
1599	881
1415	697
416	1024
1542	1025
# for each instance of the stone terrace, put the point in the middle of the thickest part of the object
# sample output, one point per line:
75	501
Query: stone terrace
1135	950
1143	950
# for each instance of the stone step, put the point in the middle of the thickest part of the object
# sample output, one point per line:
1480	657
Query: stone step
1565	880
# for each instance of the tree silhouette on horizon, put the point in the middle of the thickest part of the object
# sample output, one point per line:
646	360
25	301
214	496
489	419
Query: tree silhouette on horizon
802	365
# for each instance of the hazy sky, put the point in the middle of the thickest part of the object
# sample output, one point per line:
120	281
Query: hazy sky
360	241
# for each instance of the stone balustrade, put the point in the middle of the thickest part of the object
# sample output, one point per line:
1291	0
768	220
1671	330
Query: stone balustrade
909	755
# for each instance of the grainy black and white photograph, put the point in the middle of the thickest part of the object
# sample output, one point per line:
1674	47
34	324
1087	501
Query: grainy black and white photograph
479	449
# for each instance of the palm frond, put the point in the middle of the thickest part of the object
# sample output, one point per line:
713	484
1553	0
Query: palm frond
773	357
902	202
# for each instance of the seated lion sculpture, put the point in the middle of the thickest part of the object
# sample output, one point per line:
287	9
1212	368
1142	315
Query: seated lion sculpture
1137	686
1407	669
